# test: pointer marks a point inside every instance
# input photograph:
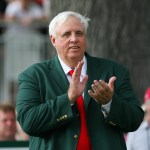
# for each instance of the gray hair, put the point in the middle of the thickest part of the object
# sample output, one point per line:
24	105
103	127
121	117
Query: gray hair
62	17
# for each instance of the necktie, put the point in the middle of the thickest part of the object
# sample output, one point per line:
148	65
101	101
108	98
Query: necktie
83	141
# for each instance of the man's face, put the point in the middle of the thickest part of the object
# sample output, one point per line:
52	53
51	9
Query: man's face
7	125
70	40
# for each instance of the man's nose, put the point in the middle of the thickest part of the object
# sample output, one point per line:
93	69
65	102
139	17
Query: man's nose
73	38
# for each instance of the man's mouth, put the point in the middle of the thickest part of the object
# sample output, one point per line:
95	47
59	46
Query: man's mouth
74	47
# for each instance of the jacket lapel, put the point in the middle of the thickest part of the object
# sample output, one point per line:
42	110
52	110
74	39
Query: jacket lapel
94	69
93	72
57	73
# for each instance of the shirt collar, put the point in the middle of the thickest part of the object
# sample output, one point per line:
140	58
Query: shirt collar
67	68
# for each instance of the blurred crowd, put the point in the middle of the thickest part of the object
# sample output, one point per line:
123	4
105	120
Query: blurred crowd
44	4
23	30
140	139
22	26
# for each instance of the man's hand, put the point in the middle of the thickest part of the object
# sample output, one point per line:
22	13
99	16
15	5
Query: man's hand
77	87
102	92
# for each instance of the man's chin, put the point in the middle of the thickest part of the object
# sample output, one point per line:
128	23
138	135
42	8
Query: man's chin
75	55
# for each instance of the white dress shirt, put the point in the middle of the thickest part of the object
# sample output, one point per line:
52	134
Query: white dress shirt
67	68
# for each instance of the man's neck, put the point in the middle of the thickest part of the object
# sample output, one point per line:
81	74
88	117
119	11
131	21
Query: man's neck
72	63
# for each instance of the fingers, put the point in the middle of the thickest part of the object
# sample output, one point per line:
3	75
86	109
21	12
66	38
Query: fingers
77	83
92	94
77	74
101	91
100	86
103	86
112	81
77	71
84	80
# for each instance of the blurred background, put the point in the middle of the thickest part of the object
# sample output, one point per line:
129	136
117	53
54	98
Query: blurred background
118	30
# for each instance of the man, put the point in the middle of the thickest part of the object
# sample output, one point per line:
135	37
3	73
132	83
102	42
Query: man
7	122
140	139
76	101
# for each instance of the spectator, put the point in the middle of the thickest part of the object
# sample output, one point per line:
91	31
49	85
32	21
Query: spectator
46	6
3	5
140	139
23	42
7	122
39	2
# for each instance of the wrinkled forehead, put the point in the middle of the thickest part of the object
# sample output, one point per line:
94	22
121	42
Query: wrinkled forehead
69	24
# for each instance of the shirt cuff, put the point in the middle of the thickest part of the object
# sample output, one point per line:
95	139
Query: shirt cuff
72	104
106	108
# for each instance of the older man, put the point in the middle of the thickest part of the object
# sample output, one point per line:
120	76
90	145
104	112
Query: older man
76	101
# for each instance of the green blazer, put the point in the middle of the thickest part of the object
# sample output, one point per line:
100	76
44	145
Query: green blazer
44	111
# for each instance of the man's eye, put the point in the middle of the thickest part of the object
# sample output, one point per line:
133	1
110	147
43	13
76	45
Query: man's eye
79	33
67	34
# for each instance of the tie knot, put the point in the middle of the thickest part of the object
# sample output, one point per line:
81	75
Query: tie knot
71	72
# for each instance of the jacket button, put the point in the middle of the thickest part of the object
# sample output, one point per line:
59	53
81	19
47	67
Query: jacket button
78	115
110	122
65	116
75	136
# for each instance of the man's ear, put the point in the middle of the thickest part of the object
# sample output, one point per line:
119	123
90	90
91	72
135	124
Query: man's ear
53	40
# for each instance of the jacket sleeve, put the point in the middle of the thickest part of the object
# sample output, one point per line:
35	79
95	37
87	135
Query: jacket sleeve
38	117
125	112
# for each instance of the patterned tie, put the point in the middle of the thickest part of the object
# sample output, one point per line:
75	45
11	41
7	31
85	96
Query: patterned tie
84	140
